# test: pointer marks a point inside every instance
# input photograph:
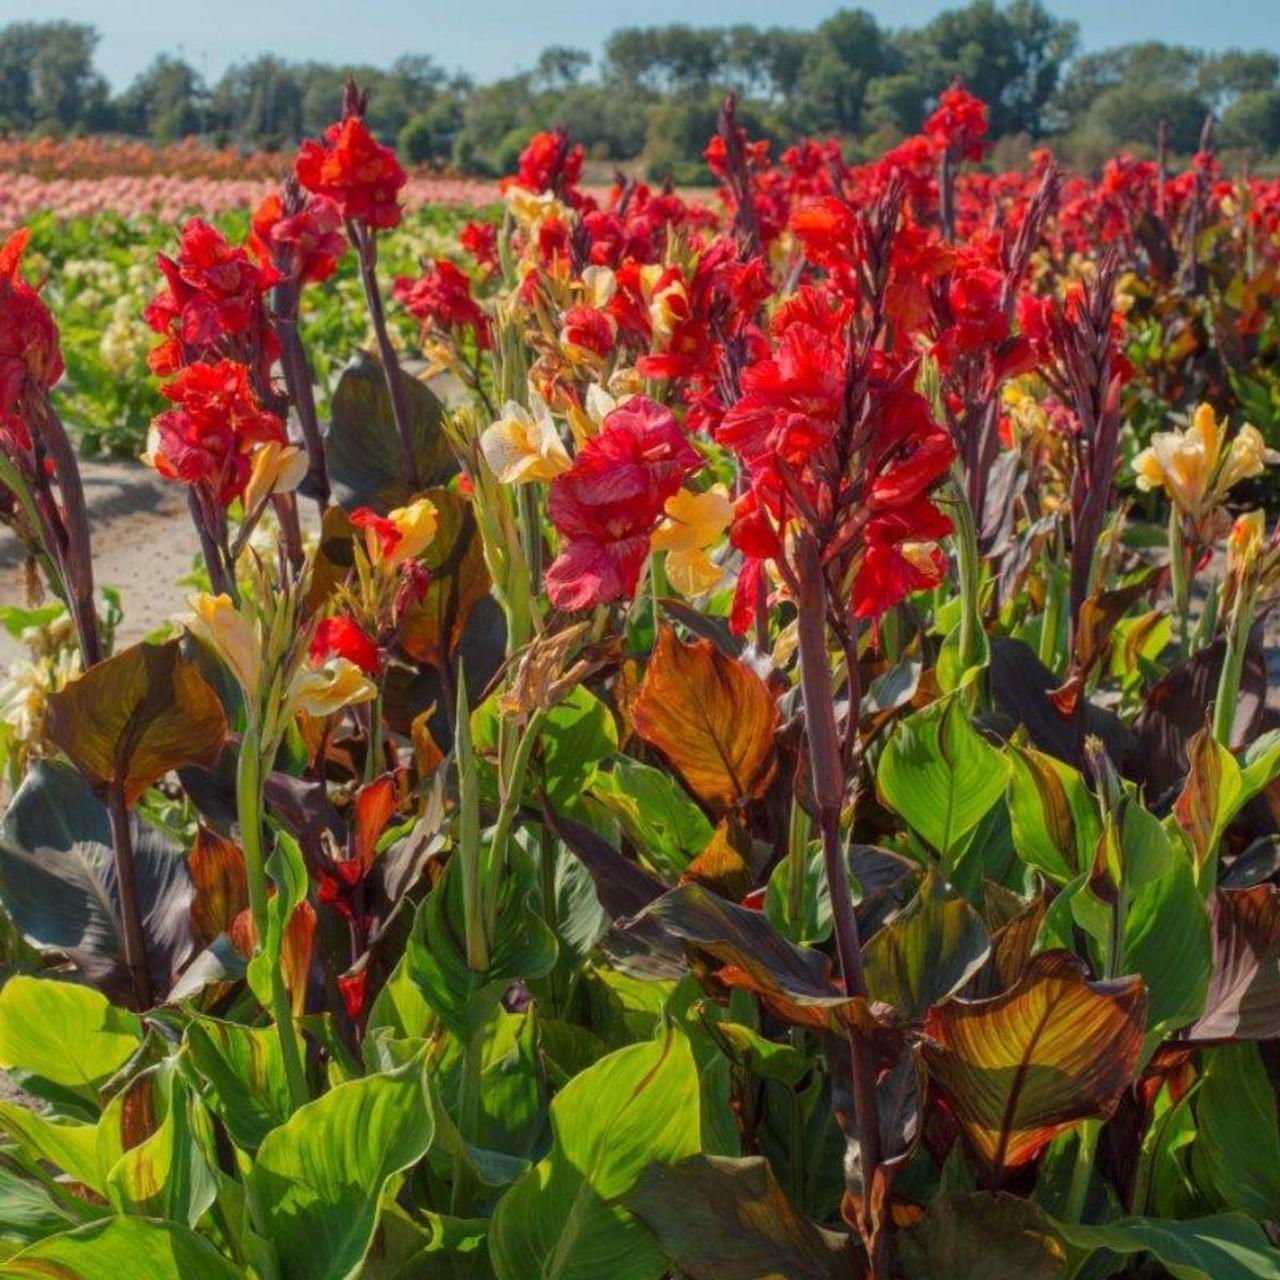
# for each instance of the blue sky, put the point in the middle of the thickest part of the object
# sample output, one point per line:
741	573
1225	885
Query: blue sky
488	38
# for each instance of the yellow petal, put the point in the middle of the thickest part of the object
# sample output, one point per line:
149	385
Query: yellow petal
277	468
694	520
521	447
417	525
692	571
1206	425
215	621
1246	457
320	691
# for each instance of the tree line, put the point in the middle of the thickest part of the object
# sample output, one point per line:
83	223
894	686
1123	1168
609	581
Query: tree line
653	92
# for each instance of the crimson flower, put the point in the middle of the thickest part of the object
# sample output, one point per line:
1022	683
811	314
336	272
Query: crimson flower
375	806
28	335
207	437
959	125
480	240
352	168
441	299
607	504
212	302
345	638
550	162
305	245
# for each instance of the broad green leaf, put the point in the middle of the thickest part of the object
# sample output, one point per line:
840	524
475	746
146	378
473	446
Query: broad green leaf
927	952
940	775
320	1176
1228	1246
64	1033
1209	798
747	1048
137	715
711	716
728	1219
563	1220
431	1246
657	815
155	1167
524	948
244	1069
288	872
1238	1143
29	1213
1053	815
1023	1066
116	1248
69	1145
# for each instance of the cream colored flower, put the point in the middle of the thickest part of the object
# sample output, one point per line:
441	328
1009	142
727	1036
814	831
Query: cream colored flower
417	524
277	468
524	445
215	621
694	522
322	690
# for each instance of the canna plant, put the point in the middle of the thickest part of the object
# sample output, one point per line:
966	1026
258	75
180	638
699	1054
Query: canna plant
732	793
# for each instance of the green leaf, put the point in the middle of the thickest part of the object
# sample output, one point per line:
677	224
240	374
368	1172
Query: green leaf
363	447
563	1219
928	951
524	948
1228	1246
288	872
726	1219
1238	1143
812	924
320	1176
657	815
155	1167
979	1236
1054	817
64	1033
69	1145
244	1069
29	1213
119	1247
940	775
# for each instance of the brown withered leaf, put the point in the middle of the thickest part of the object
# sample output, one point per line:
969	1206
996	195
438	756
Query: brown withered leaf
1020	1067
221	887
711	716
131	719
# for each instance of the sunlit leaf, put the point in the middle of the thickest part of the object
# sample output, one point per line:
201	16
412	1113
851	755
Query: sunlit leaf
711	716
131	719
1053	815
1228	1246
1020	1067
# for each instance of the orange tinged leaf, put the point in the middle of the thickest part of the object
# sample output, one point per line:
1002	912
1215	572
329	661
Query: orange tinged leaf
132	718
220	886
1021	1067
711	716
724	866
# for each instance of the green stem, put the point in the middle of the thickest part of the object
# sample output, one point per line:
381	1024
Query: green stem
511	795
249	808
477	936
1082	1170
969	567
461	1192
550	910
1051	623
1224	706
373	753
1179	579
797	864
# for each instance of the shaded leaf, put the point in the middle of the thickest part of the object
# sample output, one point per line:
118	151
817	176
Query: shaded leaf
1228	1246
982	1237
1053	816
363	448
220	883
244	1069
1243	1000
726	1219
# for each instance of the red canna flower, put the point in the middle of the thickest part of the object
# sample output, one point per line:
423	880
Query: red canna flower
959	125
305	245
208	436
586	333
607	504
344	637
480	240
550	162
212	303
352	168
29	347
441	299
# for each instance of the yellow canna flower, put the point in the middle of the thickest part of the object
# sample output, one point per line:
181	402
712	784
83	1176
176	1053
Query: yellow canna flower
599	284
322	690
1244	542
416	525
694	522
215	621
523	446
1189	465
277	468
